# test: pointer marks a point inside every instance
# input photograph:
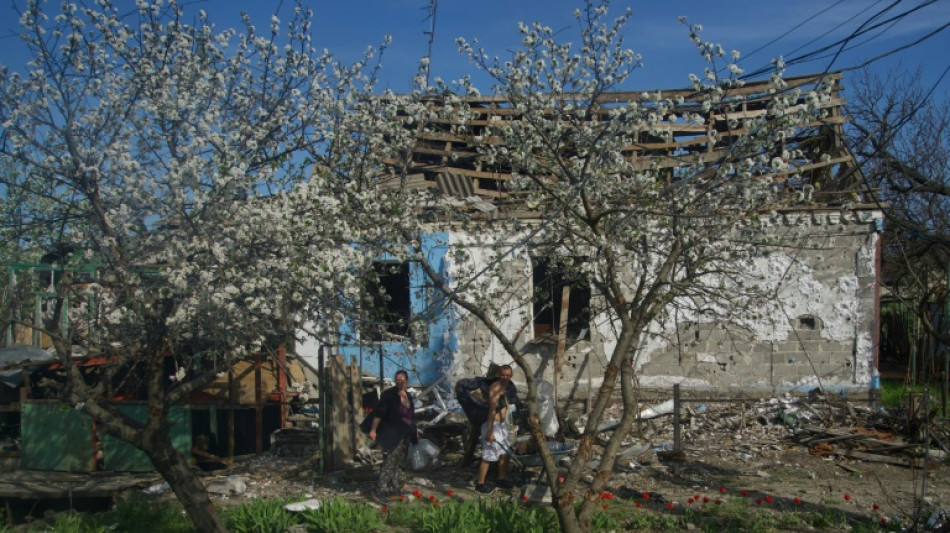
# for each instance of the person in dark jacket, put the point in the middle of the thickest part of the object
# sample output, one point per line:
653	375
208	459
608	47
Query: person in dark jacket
393	428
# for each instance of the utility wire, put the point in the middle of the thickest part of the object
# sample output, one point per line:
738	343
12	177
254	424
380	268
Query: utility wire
795	27
841	44
835	27
900	48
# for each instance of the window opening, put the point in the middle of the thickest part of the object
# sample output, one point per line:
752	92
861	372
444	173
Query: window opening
549	280
387	296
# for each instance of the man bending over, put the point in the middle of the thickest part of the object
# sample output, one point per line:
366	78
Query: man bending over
495	434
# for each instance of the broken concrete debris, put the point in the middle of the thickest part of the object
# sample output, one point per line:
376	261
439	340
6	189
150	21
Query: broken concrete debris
227	485
306	505
747	444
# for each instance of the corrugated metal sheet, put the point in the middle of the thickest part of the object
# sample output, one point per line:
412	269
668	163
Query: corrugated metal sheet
456	185
55	437
121	456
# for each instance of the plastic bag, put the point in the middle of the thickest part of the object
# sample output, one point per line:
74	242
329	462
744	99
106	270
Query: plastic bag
422	453
546	410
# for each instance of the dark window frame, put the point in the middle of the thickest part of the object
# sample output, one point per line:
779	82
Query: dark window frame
547	285
388	293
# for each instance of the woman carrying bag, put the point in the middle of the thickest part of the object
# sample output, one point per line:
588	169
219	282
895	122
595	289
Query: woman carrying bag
392	427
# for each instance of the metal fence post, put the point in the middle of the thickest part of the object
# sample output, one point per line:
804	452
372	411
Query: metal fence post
676	418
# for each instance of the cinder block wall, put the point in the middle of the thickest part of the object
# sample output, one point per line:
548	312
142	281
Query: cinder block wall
817	329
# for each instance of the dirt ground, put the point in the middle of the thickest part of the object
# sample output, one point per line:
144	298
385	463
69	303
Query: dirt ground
777	451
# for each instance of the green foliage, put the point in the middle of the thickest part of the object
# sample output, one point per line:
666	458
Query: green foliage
339	516
455	517
260	516
472	516
403	516
827	518
653	521
790	521
72	522
893	392
507	516
129	516
132	512
605	521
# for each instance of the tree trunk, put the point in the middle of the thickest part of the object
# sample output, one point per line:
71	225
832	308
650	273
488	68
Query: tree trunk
566	517
192	494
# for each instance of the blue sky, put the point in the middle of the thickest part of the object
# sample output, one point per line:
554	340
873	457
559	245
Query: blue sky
756	28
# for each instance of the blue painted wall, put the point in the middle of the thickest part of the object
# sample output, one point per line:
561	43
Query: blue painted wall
427	362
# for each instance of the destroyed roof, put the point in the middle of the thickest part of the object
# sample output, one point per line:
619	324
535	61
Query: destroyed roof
17	357
446	158
23	354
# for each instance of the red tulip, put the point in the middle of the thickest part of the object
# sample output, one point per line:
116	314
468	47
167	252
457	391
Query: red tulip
431	498
883	521
402	497
847	497
689	501
646	495
450	493
798	500
768	499
875	507
745	493
722	490
383	510
638	504
696	497
758	501
705	499
605	506
718	502
669	505
436	504
524	498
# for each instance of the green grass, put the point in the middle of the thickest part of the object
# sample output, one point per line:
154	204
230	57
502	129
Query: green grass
893	393
452	515
131	513
129	516
260	516
340	516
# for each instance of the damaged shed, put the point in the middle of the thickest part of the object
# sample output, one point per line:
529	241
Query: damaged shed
233	415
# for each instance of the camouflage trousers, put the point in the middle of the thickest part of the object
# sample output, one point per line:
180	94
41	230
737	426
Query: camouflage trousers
392	472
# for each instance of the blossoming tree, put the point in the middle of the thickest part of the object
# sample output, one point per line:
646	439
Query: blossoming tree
212	180
598	187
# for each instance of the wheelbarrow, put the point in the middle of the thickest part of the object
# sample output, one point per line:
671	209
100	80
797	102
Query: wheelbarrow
558	451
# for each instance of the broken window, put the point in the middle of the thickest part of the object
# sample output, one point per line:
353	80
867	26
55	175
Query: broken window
807	322
549	280
387	310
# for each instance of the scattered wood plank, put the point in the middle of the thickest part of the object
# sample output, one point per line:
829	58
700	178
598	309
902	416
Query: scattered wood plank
910	462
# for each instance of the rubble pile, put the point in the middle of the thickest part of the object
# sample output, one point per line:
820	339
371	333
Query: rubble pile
805	452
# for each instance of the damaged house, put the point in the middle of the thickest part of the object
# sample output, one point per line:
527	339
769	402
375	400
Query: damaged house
814	326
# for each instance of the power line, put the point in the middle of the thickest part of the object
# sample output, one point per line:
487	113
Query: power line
867	26
795	27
